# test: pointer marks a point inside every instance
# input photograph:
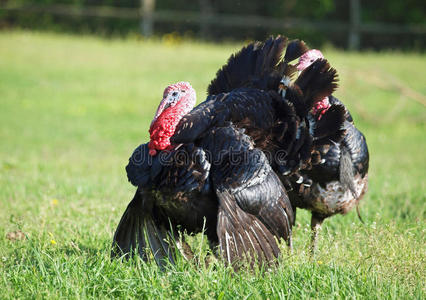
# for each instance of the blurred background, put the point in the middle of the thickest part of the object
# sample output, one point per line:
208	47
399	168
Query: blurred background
344	24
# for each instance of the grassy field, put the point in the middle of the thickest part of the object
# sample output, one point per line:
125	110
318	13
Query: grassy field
72	109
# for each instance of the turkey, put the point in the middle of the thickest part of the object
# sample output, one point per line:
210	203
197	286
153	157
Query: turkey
341	180
220	184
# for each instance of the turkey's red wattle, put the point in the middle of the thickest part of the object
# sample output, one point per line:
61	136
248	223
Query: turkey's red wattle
321	107
163	129
168	116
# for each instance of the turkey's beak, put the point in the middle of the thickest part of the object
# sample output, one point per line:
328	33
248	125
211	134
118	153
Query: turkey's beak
163	105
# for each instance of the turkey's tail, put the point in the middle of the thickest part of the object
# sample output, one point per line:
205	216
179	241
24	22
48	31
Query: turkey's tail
258	65
137	233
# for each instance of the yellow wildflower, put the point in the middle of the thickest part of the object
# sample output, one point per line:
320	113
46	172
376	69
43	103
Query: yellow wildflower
54	201
53	242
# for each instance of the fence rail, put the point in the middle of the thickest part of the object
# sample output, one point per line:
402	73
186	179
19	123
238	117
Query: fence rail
148	17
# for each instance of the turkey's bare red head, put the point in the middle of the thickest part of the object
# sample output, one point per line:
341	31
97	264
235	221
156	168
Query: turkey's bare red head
305	61
178	100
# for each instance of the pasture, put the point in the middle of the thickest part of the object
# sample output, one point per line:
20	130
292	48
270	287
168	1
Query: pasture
72	109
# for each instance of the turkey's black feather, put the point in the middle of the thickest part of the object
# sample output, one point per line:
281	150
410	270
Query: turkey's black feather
241	235
295	49
326	126
244	103
245	182
183	169
257	65
139	166
317	81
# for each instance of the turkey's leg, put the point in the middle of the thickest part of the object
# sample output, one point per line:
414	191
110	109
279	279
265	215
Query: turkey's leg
316	222
184	247
189	255
290	238
290	244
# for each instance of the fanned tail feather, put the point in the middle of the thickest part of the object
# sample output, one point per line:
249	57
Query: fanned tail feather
295	49
317	81
258	65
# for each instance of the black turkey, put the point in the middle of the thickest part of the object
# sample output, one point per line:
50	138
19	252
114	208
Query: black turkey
219	183
340	181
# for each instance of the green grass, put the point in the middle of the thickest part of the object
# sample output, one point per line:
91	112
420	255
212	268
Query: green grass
72	109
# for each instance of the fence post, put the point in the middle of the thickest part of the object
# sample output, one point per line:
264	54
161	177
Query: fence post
147	22
206	10
355	21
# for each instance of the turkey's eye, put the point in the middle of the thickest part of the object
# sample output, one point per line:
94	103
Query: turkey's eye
175	94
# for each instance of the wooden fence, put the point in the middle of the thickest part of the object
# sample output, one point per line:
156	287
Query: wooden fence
147	15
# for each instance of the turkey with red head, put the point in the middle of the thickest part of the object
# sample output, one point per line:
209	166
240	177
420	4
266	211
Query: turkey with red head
220	184
340	181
